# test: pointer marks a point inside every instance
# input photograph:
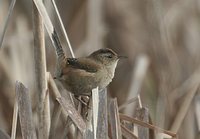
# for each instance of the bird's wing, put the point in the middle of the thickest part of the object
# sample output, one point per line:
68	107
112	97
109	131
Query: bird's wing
84	64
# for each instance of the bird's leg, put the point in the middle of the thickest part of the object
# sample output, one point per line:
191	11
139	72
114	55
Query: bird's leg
80	100
85	100
88	106
88	103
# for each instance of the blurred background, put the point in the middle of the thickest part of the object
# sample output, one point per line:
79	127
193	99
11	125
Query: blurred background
160	37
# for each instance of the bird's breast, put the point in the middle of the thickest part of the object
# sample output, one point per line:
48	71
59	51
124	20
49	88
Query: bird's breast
105	76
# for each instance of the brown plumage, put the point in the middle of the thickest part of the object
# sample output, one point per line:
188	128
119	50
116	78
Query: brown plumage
81	75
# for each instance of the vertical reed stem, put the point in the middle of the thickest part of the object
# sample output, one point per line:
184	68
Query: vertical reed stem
40	71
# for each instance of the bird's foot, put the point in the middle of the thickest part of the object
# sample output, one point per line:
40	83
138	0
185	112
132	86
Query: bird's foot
81	101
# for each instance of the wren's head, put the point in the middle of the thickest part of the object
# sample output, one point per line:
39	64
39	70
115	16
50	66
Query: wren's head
105	56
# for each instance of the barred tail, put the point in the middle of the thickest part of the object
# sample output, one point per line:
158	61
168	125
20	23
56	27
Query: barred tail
58	47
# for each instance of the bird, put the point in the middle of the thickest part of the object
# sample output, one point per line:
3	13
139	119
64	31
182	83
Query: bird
81	75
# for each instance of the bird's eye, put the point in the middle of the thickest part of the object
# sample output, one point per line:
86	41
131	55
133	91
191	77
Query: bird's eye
109	56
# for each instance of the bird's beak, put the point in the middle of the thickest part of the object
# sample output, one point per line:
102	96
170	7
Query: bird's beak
122	57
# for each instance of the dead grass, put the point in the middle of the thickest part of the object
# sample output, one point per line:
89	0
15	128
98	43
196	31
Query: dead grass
161	39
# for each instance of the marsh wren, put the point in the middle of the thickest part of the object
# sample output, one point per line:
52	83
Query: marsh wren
81	75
